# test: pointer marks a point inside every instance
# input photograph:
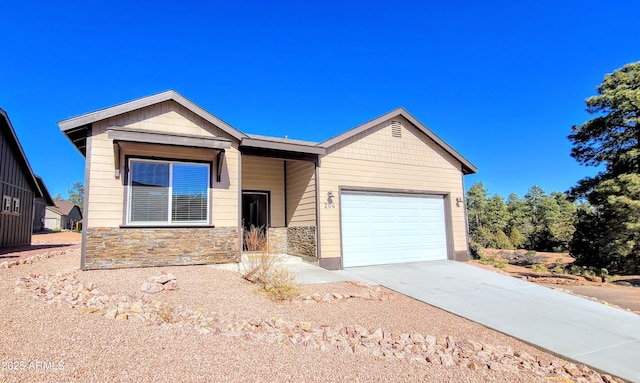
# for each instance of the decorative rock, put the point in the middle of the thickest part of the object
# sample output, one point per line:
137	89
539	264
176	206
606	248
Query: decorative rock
434	358
417	338
377	334
430	340
305	326
151	287
543	361
171	285
163	278
572	369
477	346
338	296
526	356
447	360
594	377
67	289
361	331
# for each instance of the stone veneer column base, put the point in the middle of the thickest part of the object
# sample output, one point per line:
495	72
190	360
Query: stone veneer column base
277	240
461	256
112	248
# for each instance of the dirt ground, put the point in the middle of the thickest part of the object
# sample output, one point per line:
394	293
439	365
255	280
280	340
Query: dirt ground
85	347
623	292
60	237
42	243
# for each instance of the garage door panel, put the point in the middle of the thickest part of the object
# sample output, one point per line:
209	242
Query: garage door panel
384	228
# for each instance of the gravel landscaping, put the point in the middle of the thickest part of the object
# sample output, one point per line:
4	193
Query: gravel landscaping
61	324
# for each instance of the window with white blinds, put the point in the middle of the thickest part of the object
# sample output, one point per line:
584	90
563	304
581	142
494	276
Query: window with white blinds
168	192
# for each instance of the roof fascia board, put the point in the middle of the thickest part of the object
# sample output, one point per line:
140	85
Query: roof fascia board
471	168
290	147
168	139
359	129
140	103
25	162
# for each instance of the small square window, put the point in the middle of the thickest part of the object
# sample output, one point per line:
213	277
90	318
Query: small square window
6	203
16	205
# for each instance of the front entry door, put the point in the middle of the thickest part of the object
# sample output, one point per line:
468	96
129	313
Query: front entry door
255	209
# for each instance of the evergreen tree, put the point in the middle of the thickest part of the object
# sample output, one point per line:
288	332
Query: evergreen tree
607	234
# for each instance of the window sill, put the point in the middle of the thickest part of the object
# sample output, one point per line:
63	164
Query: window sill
187	226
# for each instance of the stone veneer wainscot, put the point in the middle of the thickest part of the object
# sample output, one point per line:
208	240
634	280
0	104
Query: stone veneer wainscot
111	248
301	241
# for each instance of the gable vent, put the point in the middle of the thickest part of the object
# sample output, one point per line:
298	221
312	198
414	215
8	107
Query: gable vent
396	129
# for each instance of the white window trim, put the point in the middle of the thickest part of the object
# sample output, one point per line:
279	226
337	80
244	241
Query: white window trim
15	206
6	204
168	222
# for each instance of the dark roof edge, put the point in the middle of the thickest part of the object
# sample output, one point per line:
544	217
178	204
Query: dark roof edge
468	167
286	146
25	162
102	114
45	192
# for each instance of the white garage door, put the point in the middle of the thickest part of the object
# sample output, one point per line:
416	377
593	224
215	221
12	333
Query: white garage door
381	228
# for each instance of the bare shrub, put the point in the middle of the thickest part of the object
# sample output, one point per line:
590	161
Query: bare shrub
255	239
263	270
258	267
281	284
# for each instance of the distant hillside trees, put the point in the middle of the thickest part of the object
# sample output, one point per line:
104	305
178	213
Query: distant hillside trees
608	233
537	222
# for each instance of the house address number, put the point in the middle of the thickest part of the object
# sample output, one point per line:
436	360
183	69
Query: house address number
329	205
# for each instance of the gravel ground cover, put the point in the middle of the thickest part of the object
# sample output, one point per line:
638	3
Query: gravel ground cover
53	342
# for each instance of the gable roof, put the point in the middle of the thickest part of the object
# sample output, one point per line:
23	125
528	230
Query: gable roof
467	166
63	207
75	128
12	140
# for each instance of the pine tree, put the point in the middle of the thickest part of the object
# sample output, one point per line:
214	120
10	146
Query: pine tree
607	234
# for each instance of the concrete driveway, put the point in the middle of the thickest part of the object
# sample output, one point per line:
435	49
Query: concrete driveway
602	337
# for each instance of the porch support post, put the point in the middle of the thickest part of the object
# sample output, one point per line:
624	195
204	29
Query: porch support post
285	192
116	158
240	227
317	170
219	159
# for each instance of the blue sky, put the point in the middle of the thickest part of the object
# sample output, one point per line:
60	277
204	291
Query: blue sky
502	82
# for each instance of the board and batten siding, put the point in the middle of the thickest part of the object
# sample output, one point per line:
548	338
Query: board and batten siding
266	174
106	192
301	193
378	159
15	229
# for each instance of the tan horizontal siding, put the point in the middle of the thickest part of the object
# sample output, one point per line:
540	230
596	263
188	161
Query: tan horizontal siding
377	159
266	174
301	193
169	117
106	192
